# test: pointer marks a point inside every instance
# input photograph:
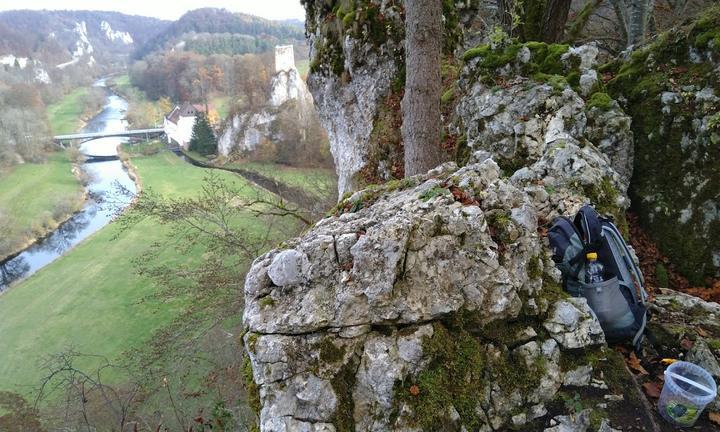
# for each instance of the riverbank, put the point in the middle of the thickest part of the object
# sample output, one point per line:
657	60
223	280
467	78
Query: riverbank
89	293
72	112
35	199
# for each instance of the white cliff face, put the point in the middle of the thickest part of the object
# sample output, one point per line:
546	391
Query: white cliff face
41	75
115	35
347	111
82	46
288	85
12	61
245	131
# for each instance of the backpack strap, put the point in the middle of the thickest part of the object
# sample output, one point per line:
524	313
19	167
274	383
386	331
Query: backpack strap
587	220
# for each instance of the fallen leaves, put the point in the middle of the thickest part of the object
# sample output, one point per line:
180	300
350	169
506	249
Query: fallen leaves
687	344
462	196
633	363
714	417
652	389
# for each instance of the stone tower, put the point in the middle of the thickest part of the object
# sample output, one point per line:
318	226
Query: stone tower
284	58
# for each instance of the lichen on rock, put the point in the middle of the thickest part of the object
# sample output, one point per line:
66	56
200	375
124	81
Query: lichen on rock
412	310
672	92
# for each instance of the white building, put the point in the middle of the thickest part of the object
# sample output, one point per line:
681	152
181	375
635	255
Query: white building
179	123
284	58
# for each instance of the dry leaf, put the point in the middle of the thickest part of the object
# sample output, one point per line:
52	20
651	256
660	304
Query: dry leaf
635	365
714	417
652	389
414	390
702	332
686	344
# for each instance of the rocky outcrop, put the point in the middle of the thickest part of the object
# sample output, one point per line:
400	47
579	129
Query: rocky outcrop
349	76
289	96
521	111
357	75
427	301
672	91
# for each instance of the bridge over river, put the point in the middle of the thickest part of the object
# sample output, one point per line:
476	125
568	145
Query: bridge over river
89	136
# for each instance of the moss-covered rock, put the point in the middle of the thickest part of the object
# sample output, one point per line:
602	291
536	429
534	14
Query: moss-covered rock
673	94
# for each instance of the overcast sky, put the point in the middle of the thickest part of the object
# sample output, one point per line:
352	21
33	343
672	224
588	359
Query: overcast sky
167	9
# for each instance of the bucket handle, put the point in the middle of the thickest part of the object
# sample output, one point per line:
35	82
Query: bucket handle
691	382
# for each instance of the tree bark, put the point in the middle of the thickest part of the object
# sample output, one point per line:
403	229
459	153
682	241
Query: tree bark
505	15
554	18
421	102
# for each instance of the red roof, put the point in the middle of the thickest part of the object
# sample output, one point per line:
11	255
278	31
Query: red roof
185	110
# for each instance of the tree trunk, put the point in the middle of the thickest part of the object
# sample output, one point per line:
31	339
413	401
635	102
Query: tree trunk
554	18
505	15
421	103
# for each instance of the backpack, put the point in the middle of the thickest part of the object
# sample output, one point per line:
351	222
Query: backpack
619	302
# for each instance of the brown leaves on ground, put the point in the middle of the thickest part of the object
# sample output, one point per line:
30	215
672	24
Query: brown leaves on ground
652	389
653	381
714	417
633	363
462	196
650	256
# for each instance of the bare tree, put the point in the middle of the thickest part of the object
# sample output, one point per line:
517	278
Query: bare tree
633	18
555	17
87	401
421	104
537	20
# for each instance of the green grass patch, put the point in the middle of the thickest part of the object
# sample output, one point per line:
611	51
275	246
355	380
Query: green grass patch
303	67
600	100
65	115
91	299
222	105
121	83
321	182
35	197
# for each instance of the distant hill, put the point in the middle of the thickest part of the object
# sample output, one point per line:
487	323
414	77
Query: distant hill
210	30
66	37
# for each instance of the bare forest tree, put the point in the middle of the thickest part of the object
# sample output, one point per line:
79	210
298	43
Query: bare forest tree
421	103
537	20
633	18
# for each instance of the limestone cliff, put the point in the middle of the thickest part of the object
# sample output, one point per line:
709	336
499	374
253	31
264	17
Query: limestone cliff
357	77
430	303
289	97
672	91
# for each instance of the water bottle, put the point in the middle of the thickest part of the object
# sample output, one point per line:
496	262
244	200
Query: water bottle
593	270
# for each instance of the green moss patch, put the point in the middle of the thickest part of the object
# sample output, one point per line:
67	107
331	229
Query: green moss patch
252	390
452	379
662	162
601	101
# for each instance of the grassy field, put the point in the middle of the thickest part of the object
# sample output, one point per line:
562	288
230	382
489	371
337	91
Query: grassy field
222	105
121	83
91	298
303	67
142	112
64	115
321	182
318	181
35	197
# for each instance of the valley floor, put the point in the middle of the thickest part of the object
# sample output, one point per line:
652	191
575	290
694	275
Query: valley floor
35	198
92	299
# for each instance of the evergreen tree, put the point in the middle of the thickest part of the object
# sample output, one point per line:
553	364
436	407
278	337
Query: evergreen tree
203	139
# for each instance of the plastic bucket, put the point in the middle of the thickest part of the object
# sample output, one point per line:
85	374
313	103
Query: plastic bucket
687	389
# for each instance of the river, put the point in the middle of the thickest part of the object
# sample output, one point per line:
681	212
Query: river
110	191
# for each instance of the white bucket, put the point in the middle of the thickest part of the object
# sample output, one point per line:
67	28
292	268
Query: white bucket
687	390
